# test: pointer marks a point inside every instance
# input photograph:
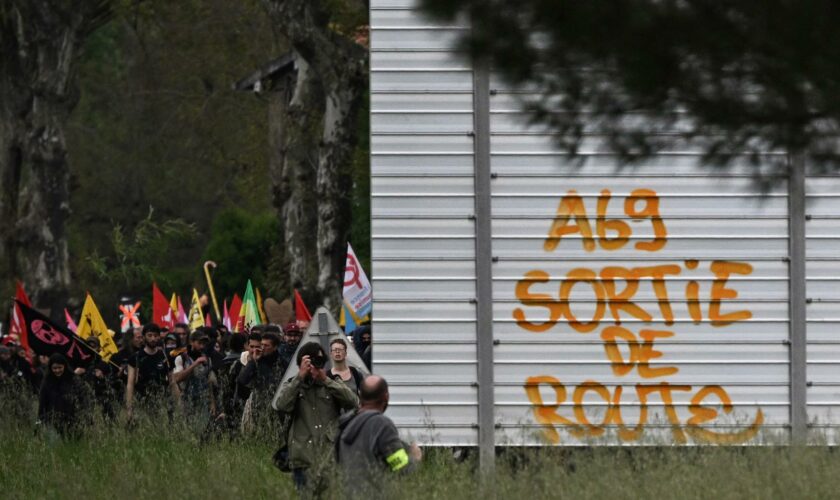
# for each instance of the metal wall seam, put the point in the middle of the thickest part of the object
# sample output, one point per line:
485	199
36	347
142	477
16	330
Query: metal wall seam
484	269
797	307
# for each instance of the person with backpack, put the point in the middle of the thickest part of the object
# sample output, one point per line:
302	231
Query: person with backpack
341	371
149	377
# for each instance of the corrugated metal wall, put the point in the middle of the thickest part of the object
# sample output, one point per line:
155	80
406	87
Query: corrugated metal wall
823	310
717	321
423	247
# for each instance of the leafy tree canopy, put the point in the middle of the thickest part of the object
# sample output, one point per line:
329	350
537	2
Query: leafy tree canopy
732	77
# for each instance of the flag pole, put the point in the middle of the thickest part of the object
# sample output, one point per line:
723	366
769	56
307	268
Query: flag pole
210	286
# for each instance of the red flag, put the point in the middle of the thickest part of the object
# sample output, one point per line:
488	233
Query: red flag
18	322
207	321
301	312
235	307
161	310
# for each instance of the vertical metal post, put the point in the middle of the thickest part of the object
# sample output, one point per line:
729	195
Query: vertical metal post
483	267
797	301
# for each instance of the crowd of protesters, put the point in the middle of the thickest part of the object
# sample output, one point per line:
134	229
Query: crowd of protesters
221	383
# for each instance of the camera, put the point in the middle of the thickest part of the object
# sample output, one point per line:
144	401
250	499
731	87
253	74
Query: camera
318	361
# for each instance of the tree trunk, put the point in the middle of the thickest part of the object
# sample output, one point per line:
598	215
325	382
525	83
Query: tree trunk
40	41
334	189
295	120
339	66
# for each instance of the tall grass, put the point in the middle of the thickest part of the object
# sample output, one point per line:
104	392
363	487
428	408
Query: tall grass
159	461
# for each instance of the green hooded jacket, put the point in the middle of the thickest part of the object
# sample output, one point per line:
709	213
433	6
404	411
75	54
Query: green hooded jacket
314	408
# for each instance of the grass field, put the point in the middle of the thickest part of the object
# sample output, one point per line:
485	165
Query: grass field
154	463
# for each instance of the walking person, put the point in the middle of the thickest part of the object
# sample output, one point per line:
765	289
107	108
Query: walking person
62	399
193	372
368	447
313	402
149	377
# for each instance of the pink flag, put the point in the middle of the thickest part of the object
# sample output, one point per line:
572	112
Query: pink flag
70	323
182	314
226	317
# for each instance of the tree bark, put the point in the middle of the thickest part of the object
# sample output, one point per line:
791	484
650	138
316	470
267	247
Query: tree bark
339	65
40	42
294	122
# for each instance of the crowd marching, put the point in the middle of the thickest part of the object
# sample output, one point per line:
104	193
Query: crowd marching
222	383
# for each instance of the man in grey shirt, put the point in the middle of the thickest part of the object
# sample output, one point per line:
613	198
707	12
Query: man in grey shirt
368	445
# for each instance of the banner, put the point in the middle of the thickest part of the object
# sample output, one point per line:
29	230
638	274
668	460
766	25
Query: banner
235	308
357	290
129	314
71	325
17	327
161	309
91	323
226	317
302	315
196	319
260	307
46	338
248	314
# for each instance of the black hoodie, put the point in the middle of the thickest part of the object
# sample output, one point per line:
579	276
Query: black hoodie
369	446
61	398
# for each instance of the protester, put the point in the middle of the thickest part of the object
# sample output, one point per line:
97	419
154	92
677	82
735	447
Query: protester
291	338
131	344
227	380
62	399
341	371
97	374
314	403
170	347
211	349
182	330
242	392
368	445
149	379
262	375
194	375
362	342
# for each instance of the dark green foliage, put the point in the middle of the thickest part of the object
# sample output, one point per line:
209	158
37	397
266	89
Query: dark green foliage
735	78
241	243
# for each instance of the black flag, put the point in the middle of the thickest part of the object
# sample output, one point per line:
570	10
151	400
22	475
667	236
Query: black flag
46	338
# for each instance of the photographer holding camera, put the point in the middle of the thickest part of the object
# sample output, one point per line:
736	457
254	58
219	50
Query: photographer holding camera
314	403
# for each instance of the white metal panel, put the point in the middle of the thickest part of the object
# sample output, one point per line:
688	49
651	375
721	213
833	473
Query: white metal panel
702	215
424	274
423	245
823	289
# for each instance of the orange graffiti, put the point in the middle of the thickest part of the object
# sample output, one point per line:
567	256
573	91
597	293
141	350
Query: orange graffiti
537	300
571	206
582	275
625	350
722	270
651	210
602	225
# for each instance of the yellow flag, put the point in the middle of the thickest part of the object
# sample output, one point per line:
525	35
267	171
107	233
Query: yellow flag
260	307
91	323
173	303
195	317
